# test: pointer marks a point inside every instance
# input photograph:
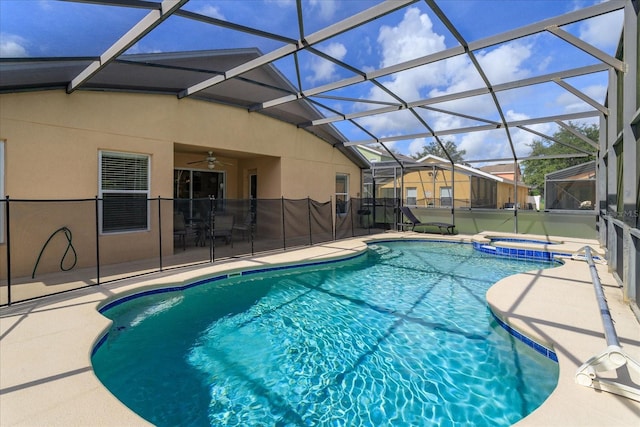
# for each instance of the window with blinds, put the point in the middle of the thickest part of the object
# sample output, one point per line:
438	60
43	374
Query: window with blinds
124	190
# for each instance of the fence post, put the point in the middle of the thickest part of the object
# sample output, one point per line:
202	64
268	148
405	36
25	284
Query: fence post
212	224
252	219
160	229
97	212
8	223
353	230
309	214
284	236
334	217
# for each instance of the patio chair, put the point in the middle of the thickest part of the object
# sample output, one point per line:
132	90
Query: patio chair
245	226
180	229
413	221
223	227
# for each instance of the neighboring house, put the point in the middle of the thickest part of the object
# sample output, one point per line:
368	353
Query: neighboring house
373	155
126	135
382	166
504	170
378	155
571	188
431	182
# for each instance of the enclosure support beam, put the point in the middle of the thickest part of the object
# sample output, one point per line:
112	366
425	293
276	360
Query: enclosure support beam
631	169
138	31
317	37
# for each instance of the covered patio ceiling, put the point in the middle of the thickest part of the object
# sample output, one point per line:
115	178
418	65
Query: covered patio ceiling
491	76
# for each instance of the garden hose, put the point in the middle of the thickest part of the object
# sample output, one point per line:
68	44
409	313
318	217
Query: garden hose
68	235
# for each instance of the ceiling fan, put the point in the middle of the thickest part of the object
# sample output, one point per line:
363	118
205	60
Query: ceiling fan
210	160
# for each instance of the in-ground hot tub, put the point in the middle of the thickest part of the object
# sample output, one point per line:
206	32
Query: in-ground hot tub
523	240
526	247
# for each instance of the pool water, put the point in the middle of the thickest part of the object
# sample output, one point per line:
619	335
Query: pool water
401	336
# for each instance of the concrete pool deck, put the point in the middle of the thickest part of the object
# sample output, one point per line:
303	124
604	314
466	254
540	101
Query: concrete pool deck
46	377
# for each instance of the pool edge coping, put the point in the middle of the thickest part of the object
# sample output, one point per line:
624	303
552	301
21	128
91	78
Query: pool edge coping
98	405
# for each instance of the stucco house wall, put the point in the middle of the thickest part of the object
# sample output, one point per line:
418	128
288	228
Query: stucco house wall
52	140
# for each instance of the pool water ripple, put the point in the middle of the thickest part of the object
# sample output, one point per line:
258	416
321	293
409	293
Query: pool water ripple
382	340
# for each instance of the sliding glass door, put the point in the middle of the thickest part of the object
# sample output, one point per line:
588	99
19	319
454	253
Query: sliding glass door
192	189
195	184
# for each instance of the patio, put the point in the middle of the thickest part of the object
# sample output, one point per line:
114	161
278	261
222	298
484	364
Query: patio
58	387
273	110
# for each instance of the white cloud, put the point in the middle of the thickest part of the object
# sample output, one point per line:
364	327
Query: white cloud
138	48
323	70
603	31
500	65
212	11
483	145
12	46
572	104
412	38
415	37
596	92
416	145
521	138
495	144
326	8
544	64
505	63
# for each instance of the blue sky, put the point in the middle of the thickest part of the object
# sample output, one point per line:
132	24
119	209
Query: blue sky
43	28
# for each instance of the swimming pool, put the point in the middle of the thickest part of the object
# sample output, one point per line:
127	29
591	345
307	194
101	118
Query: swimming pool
399	336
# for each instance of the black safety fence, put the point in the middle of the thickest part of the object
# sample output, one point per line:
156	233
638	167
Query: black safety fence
367	216
53	246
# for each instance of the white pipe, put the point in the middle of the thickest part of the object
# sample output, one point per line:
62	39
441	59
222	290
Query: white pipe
609	331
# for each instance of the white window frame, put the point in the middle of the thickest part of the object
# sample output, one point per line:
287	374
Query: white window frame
345	193
411	193
446	192
102	191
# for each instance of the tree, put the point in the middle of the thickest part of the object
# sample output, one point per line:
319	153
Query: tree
435	149
535	170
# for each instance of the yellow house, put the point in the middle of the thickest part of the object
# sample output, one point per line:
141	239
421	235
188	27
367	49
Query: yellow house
433	182
125	134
